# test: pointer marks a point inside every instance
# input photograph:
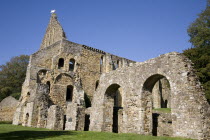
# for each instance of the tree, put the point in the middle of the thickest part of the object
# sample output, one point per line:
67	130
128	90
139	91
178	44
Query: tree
12	76
199	32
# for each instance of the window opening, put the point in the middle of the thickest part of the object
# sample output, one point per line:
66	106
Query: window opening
60	63
69	93
71	64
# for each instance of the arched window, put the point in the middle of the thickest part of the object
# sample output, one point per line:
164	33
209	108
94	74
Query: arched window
69	93
97	83
60	63
71	64
48	83
101	64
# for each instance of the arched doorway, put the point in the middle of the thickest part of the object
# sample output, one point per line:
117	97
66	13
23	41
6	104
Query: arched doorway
112	109
156	101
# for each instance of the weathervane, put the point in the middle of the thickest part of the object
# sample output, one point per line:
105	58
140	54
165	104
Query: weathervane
52	11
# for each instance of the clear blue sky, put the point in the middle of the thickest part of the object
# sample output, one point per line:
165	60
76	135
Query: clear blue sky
134	29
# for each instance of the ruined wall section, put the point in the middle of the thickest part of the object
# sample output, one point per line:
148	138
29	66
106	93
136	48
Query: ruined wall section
189	108
94	62
53	33
55	118
89	70
163	122
7	108
43	58
44	69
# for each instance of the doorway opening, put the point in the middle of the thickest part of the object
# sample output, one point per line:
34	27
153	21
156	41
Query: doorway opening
87	122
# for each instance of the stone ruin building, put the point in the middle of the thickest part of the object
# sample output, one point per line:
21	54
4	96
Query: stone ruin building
70	86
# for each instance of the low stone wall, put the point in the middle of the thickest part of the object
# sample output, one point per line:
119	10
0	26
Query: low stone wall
7	108
162	124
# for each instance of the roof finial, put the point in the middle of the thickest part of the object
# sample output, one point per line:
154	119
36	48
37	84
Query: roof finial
52	11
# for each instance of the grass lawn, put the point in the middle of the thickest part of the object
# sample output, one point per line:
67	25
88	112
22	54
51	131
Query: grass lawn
12	132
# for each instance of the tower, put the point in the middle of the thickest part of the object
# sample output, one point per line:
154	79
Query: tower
54	32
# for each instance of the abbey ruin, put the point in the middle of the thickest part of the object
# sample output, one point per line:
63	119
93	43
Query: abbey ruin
69	86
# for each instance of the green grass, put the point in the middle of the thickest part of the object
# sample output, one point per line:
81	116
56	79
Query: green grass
164	110
12	132
5	122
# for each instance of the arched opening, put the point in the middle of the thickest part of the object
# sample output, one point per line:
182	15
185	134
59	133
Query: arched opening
157	98
26	119
161	94
71	64
60	63
118	64
69	93
87	100
97	83
101	64
48	84
113	109
63	79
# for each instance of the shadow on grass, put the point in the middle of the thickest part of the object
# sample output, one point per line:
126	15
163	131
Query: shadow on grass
26	135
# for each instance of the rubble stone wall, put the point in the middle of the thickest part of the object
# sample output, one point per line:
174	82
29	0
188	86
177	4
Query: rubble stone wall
162	124
187	98
7	108
61	66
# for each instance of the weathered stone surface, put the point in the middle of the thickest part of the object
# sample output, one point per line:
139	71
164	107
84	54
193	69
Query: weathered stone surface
162	124
137	81
55	118
7	108
63	77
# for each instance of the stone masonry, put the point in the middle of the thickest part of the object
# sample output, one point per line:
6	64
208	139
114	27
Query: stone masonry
70	86
7	108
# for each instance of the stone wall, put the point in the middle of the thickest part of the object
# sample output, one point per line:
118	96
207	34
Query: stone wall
62	74
187	98
53	33
162	124
7	108
55	118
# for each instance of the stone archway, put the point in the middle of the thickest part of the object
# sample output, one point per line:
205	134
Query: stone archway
112	109
157	97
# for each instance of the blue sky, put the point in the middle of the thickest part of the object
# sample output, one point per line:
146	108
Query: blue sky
134	29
